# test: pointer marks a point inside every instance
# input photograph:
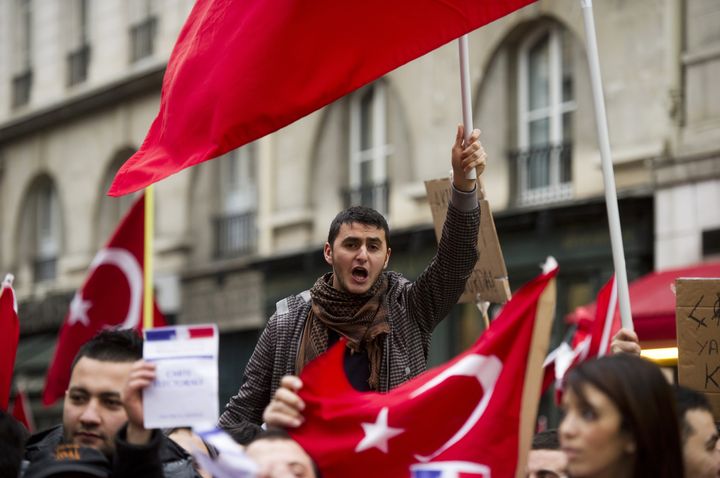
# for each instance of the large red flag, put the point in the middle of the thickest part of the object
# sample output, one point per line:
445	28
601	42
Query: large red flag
591	339
243	69
111	296
459	419
9	336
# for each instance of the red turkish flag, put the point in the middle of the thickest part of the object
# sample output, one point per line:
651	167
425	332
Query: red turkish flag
9	336
22	411
243	69
591	339
112	296
459	419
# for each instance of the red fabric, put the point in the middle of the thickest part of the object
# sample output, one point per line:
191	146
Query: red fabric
9	336
22	411
243	69
588	341
467	410
652	301
112	295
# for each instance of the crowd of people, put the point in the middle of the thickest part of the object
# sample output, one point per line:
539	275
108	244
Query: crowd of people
621	417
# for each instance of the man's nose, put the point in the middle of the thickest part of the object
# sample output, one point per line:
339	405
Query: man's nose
362	252
90	415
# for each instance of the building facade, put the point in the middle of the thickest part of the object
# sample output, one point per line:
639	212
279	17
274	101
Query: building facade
80	83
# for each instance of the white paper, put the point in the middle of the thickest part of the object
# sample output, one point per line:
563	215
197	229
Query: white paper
185	391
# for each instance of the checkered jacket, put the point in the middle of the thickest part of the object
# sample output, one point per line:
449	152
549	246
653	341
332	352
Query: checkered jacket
414	309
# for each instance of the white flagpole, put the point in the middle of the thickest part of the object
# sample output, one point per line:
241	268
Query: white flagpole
466	93
607	166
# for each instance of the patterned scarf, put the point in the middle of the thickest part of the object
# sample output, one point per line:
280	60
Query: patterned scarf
361	319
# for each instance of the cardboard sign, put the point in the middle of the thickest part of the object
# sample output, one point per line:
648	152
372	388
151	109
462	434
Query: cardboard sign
697	314
489	278
185	391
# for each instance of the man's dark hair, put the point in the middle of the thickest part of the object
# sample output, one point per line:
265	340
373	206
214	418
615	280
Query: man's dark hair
12	444
686	400
547	440
112	345
362	215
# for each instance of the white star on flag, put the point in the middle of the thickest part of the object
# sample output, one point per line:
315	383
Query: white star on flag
78	310
377	434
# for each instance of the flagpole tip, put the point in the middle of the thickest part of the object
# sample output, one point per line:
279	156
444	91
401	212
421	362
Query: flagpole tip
550	265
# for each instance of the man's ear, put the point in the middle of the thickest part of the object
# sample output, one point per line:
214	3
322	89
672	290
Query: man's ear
327	252
387	258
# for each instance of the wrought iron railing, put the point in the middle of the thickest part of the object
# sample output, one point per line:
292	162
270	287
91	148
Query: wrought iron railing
44	269
543	174
142	39
235	235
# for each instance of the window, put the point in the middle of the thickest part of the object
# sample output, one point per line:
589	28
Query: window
143	27
42	225
545	111
368	149
22	54
235	226
78	56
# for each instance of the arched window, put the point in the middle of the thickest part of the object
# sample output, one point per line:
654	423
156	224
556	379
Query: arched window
236	221
546	104
42	230
369	150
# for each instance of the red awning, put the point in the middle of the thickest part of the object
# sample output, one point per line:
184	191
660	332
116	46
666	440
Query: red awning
652	301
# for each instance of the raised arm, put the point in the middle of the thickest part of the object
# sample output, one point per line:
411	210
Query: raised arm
438	288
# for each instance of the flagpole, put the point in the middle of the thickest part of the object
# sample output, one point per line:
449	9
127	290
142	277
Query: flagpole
607	166
466	93
148	258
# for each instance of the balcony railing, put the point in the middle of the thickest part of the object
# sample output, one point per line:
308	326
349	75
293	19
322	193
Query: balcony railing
44	269
544	174
77	65
375	196
21	86
235	235
142	39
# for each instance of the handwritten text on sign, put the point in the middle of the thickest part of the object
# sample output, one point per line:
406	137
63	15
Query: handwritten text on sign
698	332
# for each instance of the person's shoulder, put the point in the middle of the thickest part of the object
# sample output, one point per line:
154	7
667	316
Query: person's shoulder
291	305
43	441
176	461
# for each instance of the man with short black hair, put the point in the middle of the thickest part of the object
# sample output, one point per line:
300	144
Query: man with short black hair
387	320
94	414
699	434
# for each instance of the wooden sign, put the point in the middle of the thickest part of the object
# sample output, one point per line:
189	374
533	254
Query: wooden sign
697	314
489	278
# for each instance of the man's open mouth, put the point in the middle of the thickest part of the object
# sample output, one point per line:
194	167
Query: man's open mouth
359	273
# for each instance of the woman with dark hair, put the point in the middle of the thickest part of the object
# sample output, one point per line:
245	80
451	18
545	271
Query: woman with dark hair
620	421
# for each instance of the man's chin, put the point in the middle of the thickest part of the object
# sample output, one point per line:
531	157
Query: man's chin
90	441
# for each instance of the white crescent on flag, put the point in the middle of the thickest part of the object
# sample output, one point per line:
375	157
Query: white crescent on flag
130	267
486	370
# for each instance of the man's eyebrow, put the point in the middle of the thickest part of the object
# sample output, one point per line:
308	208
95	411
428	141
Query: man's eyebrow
77	389
109	394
